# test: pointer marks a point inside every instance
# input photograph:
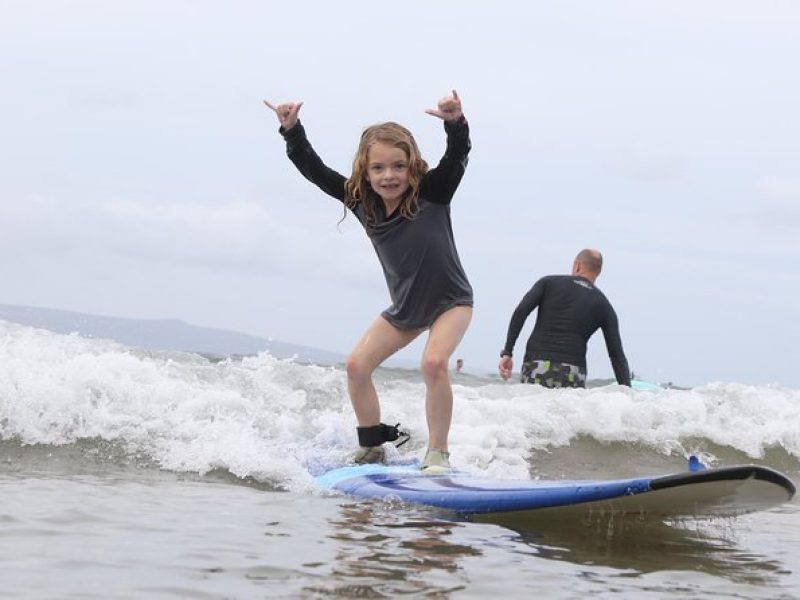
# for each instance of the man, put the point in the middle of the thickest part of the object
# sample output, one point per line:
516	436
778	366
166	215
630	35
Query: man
571	309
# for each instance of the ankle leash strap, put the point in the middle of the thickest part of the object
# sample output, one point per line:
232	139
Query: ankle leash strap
376	435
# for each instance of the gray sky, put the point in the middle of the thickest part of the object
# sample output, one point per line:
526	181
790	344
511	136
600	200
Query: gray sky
140	175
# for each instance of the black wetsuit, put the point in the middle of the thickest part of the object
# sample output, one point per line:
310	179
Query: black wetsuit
571	309
418	256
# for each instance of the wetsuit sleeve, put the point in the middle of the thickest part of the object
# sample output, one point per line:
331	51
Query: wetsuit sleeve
310	165
614	345
440	183
526	306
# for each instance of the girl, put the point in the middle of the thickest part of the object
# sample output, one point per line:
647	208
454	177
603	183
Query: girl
405	209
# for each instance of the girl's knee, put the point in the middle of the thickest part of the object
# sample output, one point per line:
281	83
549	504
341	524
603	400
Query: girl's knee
357	369
433	365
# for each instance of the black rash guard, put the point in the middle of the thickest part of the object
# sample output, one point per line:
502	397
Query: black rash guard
571	309
418	256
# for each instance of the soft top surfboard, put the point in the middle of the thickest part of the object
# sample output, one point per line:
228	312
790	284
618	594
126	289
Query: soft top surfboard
648	386
700	493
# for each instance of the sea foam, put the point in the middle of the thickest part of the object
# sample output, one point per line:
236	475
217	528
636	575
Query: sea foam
280	421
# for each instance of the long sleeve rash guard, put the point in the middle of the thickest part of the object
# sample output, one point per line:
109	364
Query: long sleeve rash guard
418	256
571	309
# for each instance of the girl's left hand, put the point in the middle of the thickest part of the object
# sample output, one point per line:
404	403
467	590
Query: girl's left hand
286	113
449	108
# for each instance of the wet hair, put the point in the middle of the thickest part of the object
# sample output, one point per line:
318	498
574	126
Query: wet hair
358	188
591	259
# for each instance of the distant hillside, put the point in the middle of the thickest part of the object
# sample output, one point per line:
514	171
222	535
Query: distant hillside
161	334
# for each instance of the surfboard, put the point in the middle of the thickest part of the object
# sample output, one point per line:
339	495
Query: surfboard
648	386
699	493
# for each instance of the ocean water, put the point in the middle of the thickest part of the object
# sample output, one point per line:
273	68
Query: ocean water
131	474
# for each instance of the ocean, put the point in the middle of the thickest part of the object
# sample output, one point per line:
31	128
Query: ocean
133	474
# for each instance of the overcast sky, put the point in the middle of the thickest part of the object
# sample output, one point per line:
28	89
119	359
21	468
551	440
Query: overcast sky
141	176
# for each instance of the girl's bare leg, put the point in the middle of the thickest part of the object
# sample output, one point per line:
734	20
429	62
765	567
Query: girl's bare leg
445	334
379	342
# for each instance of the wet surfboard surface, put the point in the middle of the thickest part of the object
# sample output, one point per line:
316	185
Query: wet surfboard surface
700	493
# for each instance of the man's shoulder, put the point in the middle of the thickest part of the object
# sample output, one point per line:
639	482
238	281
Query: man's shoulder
549	282
602	298
554	277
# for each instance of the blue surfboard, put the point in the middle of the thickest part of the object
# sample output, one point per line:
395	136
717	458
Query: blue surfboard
697	493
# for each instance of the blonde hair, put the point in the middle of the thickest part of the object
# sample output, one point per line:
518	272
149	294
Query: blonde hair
357	188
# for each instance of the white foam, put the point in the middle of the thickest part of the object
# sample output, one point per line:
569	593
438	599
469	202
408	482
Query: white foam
276	420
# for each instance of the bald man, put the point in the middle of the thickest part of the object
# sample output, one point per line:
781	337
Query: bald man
571	309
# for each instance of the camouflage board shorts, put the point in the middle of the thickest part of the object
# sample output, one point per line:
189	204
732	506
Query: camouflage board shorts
552	374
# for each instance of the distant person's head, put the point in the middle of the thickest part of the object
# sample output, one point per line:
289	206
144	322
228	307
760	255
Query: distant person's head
459	365
588	263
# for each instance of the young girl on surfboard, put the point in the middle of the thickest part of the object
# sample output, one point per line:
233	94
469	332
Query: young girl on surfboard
405	209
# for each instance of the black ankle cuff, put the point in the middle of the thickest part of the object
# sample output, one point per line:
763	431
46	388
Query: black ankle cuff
377	434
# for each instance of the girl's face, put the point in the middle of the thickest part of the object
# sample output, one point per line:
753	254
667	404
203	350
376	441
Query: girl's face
387	171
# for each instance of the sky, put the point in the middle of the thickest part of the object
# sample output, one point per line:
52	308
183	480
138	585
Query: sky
142	177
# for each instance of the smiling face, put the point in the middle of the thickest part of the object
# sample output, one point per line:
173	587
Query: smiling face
387	172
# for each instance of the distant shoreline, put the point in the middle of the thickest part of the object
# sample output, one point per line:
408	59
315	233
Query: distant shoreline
162	334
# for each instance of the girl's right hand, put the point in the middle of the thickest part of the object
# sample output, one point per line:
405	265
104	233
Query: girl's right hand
286	113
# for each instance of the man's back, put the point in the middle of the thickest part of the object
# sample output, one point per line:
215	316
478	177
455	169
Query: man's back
570	309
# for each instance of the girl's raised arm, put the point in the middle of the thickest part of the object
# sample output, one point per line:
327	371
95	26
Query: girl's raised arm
300	152
441	181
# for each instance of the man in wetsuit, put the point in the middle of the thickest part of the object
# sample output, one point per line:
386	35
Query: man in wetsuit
571	309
